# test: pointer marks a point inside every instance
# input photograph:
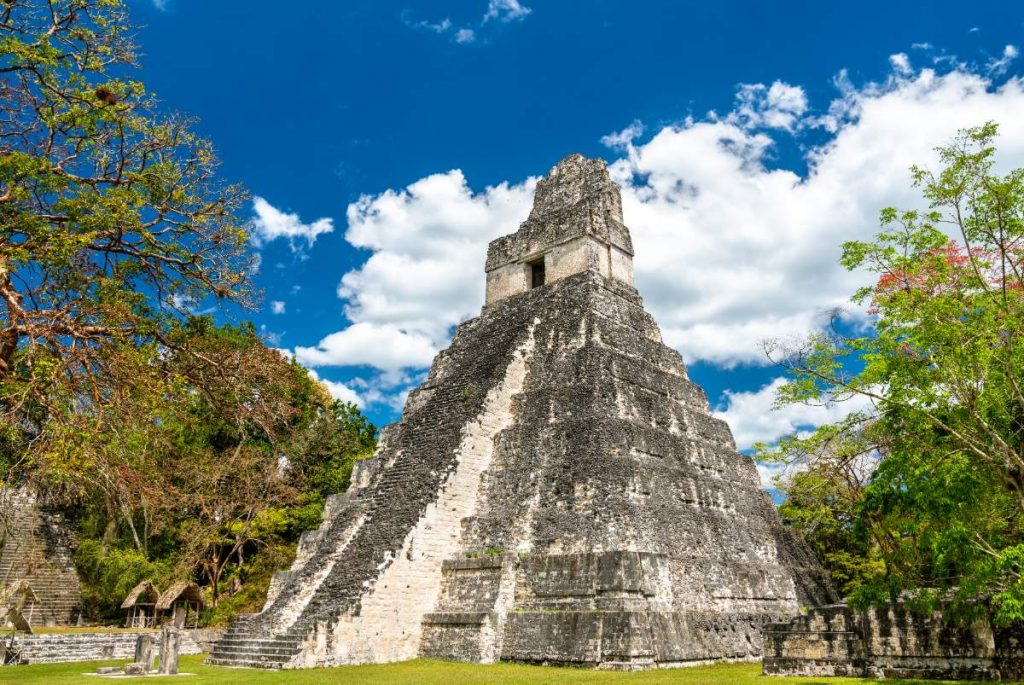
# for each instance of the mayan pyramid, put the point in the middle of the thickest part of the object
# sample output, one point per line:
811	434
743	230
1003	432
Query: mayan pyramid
556	490
35	548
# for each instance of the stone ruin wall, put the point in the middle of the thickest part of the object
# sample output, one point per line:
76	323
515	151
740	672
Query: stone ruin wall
892	642
53	648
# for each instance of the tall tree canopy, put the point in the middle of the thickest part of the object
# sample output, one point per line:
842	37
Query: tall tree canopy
187	449
112	221
926	489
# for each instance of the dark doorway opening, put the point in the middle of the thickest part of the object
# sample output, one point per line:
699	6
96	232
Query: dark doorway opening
537	274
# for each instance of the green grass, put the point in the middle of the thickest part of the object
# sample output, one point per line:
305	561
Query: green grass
426	672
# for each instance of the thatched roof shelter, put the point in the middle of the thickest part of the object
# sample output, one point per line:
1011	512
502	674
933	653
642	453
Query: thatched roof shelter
143	593
183	591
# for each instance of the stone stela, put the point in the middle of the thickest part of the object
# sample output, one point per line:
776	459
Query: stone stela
556	491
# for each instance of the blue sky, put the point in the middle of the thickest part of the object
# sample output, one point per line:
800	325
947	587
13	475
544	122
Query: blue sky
390	140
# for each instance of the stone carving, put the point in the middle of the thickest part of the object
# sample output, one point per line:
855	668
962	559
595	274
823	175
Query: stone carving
144	652
135	668
36	549
892	642
170	645
556	490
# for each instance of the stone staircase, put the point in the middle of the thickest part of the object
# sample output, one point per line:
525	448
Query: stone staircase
245	645
36	547
251	641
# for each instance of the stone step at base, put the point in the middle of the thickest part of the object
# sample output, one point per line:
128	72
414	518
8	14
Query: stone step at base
244	663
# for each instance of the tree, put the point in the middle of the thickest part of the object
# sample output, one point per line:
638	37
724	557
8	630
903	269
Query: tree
942	366
186	448
112	225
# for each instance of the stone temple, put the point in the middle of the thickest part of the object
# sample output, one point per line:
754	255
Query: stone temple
556	490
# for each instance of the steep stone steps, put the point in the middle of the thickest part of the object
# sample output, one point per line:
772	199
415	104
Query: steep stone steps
245	645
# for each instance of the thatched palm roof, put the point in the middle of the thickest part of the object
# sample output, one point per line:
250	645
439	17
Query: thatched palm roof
145	591
184	590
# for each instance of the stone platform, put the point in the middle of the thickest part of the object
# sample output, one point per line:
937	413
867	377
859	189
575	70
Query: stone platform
892	642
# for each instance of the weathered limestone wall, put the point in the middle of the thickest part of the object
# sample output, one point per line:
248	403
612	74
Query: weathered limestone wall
388	626
891	642
622	529
36	547
66	647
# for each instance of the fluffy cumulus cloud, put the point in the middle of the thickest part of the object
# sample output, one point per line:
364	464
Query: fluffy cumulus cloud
505	10
779	105
900	63
731	249
270	224
753	418
428	241
385	347
277	307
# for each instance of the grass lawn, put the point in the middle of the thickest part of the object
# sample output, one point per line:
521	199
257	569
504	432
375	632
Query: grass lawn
425	672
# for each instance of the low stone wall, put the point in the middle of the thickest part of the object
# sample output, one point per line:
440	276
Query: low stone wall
51	648
205	638
891	642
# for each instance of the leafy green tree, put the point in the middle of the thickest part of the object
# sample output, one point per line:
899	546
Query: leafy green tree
185	448
943	498
113	225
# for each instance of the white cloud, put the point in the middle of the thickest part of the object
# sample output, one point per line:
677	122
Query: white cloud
900	63
339	391
621	140
729	251
501	11
997	67
385	347
277	307
505	10
161	5
271	223
777	106
922	46
752	418
436	27
429	242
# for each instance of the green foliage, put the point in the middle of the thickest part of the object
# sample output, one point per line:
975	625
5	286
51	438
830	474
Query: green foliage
113	224
926	488
253	582
108	574
188	449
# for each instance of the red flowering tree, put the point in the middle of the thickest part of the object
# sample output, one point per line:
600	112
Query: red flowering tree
927	487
